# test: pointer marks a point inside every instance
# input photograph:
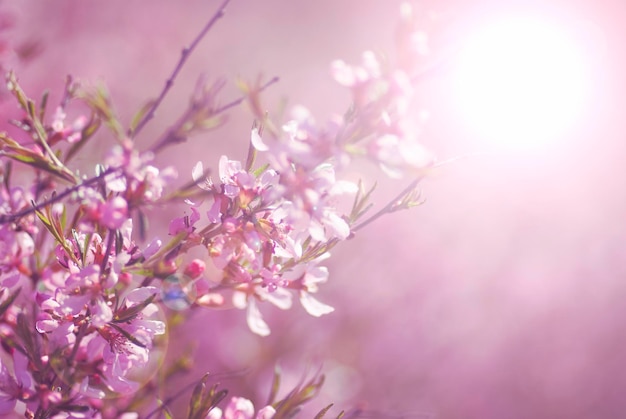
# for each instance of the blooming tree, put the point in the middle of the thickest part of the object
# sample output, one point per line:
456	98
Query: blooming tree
86	294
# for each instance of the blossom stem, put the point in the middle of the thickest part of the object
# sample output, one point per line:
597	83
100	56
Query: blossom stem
390	205
184	56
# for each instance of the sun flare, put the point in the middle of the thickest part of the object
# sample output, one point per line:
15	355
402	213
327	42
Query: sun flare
520	81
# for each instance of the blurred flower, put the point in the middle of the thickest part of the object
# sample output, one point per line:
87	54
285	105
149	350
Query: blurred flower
15	386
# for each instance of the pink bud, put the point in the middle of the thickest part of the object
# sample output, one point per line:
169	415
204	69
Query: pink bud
195	268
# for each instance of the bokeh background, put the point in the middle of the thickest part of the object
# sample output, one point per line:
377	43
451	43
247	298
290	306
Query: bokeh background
502	297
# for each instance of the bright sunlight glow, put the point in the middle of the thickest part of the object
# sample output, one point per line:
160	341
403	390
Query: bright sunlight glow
520	81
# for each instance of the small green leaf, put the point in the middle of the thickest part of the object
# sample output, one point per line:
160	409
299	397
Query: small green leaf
167	413
131	312
258	172
128	336
196	396
143	224
42	217
82	251
43	104
323	412
87	132
32	112
75	408
141	113
275	385
7	303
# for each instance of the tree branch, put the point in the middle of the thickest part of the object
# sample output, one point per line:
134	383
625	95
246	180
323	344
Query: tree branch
184	56
10	218
390	205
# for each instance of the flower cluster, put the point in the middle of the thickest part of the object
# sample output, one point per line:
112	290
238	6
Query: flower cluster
85	299
240	408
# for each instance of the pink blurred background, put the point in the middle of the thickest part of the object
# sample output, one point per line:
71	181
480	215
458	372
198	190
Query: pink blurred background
501	297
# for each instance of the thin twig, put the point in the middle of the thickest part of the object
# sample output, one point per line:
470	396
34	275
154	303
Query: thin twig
389	207
170	399
165	141
9	218
236	102
176	395
184	56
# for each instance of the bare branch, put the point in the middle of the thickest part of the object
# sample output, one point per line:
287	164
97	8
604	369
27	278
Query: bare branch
184	56
390	205
167	139
10	218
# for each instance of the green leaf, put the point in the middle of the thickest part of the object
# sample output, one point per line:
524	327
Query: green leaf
75	408
97	98
7	303
141	113
43	104
213	122
16	90
258	172
197	395
275	385
15	151
82	251
119	241
42	217
87	132
131	312
6	175
128	336
29	339
143	225
323	412
32	112
167	413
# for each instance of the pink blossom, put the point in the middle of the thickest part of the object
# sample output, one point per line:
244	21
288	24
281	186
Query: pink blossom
214	413
114	212
16	386
184	223
195	268
15	246
72	133
306	279
239	408
350	76
254	318
267	412
399	155
141	181
245	297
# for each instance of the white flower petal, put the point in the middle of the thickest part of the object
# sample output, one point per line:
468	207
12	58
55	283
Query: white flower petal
314	307
197	171
337	225
240	300
255	320
197	174
257	141
281	298
343	187
342	73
